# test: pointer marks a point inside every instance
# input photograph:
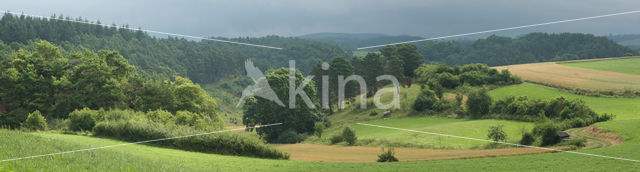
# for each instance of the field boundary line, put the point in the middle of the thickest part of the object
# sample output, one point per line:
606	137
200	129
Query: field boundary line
503	29
506	143
140	142
144	30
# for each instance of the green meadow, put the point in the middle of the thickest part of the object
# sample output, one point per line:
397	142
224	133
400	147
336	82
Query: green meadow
627	65
150	158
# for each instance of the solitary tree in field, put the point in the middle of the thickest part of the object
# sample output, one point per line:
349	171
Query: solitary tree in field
497	134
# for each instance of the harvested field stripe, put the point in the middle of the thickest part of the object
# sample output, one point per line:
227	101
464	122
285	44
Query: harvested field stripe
513	144
553	73
334	153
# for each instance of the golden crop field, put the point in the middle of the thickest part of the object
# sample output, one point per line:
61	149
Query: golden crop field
554	73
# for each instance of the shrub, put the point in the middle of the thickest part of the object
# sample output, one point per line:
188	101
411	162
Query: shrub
160	116
443	105
497	134
349	136
335	139
448	80
35	121
373	113
549	133
387	156
243	144
186	118
425	100
82	119
527	139
479	102
319	128
290	136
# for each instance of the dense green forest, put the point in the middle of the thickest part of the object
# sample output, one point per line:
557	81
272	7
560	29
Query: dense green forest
352	41
37	76
201	62
102	93
533	47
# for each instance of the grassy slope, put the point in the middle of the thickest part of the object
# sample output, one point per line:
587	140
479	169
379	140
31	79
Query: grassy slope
148	158
458	127
461	127
623	108
629	65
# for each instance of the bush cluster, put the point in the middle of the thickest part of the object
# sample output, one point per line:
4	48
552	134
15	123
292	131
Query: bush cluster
35	121
348	135
425	100
568	113
134	126
387	156
471	74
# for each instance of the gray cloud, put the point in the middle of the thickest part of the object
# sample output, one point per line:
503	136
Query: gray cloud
233	18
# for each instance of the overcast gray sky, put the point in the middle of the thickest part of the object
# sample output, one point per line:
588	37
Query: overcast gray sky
427	18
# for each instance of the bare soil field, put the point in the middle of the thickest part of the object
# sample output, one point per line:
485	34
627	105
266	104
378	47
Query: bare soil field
325	153
553	73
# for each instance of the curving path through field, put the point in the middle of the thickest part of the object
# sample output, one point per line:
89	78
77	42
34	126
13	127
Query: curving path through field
596	138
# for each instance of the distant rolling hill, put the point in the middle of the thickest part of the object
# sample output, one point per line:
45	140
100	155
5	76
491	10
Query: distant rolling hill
630	40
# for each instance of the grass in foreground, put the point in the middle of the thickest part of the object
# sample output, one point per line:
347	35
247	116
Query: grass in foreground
626	65
149	158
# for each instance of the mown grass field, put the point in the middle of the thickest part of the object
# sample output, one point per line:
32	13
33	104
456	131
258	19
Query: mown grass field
625	65
459	127
558	74
623	108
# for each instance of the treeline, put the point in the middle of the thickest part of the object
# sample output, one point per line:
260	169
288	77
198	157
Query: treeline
570	113
533	47
436	79
38	76
471	74
399	61
201	62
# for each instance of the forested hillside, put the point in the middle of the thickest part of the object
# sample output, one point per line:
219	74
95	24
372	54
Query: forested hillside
352	41
201	62
533	47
